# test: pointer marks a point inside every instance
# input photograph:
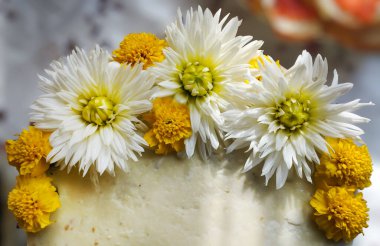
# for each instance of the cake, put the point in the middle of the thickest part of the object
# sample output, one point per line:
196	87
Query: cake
172	201
196	139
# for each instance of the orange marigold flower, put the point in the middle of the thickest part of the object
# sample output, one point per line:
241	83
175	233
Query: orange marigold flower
170	126
143	48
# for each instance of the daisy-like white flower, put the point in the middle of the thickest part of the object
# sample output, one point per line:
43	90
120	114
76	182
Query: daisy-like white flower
91	105
285	123
206	67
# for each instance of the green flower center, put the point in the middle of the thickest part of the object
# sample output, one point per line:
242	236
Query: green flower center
293	113
99	110
197	79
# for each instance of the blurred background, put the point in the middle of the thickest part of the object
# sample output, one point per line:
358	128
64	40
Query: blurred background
35	32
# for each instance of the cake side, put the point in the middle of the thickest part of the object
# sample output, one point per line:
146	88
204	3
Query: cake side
172	201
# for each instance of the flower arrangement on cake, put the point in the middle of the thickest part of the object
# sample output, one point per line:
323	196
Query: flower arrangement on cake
200	90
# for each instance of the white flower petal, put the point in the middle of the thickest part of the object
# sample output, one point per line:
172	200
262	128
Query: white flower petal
169	85
281	175
190	145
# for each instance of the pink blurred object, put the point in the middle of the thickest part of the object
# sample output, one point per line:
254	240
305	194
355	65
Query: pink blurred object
354	23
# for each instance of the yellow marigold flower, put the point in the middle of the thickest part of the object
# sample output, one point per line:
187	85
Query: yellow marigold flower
32	201
28	153
346	164
340	213
170	126
140	48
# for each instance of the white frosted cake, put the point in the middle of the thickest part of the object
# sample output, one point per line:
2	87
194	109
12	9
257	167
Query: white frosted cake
172	201
195	139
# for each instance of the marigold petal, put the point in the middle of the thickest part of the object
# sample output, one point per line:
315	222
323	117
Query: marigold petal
150	138
40	168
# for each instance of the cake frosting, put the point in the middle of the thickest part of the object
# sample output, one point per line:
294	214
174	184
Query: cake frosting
172	201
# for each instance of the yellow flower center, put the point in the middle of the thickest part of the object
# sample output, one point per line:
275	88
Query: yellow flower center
170	126
143	48
293	113
346	164
197	79
99	110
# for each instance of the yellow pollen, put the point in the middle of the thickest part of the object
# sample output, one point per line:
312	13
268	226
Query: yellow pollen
143	48
99	110
197	79
346	164
170	126
340	212
293	113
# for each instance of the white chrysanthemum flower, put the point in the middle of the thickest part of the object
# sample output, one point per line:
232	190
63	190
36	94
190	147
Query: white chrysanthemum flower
206	67
285	122
91	105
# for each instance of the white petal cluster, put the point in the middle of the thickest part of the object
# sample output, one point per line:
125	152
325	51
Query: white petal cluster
91	106
206	67
286	120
